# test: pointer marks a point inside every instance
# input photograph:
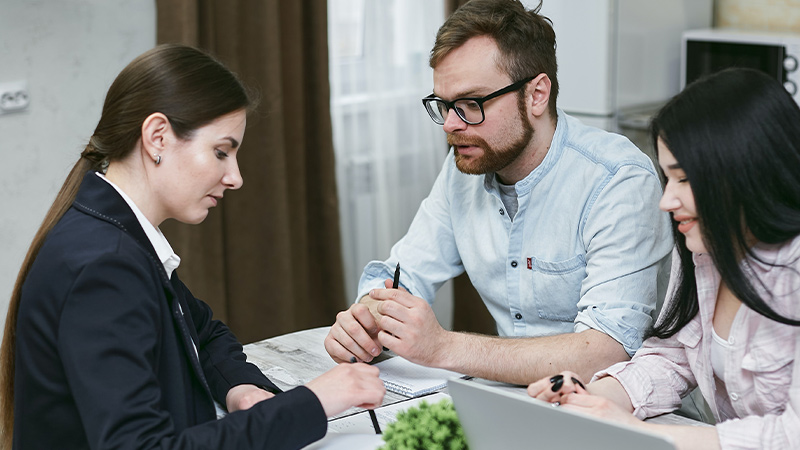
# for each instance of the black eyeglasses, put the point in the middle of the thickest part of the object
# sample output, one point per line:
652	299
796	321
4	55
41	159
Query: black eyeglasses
469	109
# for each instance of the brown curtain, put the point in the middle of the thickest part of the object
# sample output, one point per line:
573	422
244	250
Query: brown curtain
469	311
268	259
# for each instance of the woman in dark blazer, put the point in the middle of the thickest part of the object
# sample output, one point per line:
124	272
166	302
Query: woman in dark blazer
104	347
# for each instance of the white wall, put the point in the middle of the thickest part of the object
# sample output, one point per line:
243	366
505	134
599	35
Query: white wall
69	52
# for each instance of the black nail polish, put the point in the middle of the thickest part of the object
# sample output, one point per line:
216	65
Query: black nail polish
578	382
556	378
557	385
353	359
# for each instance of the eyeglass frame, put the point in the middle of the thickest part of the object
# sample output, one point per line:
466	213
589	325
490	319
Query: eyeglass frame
479	100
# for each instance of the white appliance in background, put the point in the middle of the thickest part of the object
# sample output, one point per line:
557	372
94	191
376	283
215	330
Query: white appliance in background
619	60
777	54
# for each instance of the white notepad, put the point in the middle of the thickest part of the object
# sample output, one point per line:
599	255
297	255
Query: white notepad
404	377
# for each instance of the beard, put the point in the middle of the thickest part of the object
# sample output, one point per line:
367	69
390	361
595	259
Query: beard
495	158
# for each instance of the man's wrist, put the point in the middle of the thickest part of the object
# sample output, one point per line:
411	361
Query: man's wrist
371	304
447	351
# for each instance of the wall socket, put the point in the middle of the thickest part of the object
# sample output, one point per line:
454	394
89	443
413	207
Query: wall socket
14	97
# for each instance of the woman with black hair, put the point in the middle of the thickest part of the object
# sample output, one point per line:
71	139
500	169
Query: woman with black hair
729	147
104	346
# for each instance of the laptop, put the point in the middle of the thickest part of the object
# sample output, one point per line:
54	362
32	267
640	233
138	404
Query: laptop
494	417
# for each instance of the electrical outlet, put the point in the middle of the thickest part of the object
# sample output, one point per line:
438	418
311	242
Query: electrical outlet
14	97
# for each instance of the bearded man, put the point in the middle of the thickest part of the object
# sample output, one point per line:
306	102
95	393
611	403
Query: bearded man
556	223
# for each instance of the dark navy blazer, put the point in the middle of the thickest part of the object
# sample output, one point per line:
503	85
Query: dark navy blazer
104	356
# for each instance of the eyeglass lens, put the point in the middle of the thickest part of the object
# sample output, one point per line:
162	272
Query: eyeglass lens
469	111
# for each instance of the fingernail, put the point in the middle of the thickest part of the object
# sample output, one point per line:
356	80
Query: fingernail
556	378
555	404
578	382
375	352
353	359
557	385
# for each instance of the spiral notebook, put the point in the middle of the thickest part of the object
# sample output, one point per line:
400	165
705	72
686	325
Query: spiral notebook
404	377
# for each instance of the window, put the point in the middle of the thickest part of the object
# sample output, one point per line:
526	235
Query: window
388	151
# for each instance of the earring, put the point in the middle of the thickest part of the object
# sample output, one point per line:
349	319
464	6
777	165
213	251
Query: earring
158	159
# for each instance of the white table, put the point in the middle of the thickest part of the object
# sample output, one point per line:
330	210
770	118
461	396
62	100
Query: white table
293	359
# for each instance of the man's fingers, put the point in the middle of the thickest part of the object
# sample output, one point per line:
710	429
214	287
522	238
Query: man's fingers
392	326
389	283
364	317
401	296
390	341
350	333
343	348
390	308
362	346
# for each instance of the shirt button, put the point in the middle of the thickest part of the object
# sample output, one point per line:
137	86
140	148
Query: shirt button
734	396
513	264
731	340
518	316
502	212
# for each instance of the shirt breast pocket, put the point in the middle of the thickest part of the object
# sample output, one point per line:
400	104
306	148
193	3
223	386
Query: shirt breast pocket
769	364
557	287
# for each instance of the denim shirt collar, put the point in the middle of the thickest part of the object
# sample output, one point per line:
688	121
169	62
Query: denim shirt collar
525	185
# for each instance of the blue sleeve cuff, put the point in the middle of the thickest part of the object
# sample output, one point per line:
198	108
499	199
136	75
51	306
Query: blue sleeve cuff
625	324
374	274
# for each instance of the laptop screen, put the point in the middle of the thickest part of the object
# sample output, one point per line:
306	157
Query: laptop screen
494	417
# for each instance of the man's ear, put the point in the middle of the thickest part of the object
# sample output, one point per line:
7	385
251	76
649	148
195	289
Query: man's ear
538	95
155	134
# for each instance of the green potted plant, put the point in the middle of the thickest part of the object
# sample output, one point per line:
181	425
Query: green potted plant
426	427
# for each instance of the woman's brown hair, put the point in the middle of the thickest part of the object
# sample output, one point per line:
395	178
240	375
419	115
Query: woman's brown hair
185	84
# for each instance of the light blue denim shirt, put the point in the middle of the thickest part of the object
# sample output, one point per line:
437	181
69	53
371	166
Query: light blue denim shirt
588	247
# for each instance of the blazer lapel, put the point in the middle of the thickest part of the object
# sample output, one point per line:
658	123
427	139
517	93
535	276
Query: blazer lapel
98	198
186	335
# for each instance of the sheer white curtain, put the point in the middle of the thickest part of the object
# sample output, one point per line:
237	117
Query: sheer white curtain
388	151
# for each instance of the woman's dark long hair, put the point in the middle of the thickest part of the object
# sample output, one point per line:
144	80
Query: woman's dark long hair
736	136
185	84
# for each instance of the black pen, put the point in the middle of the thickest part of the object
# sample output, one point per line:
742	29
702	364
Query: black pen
396	283
374	421
372	415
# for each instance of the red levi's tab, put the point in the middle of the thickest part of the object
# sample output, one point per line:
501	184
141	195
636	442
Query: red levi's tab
530	264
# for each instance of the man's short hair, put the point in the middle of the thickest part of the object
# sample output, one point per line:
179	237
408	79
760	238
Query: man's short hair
525	39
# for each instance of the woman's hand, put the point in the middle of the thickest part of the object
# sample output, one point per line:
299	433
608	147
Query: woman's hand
348	385
552	389
608	400
599	407
244	396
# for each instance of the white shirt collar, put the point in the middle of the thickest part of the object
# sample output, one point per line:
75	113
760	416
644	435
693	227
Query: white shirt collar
166	255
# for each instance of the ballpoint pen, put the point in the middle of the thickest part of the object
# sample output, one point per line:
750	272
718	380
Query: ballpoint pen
396	276
374	421
372	415
371	412
353	359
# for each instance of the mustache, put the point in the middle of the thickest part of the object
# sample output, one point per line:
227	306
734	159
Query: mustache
456	140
